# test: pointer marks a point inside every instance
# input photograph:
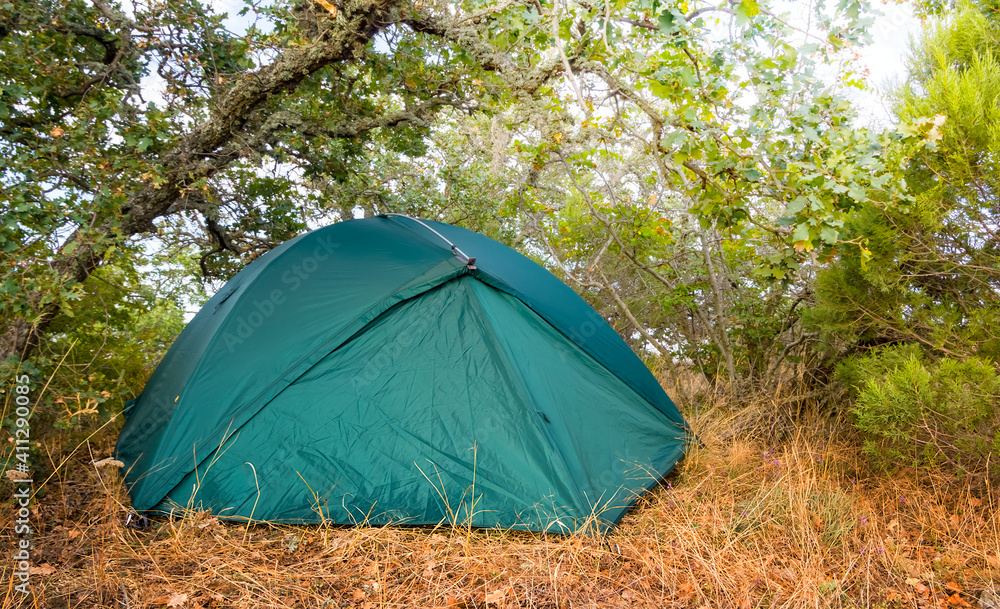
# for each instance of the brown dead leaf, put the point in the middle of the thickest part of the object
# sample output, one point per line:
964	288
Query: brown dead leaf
953	586
954	519
173	600
109	461
914	583
357	594
209	522
497	595
328	6
429	570
57	131
43	569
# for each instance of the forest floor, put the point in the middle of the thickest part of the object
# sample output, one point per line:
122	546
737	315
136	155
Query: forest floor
741	523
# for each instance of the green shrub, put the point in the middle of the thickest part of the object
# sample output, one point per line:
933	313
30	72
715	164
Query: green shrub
918	412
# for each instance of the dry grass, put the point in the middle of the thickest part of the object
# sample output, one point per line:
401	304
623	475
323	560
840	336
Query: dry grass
741	524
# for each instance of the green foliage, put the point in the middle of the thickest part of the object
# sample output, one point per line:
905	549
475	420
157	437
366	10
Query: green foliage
932	275
102	356
837	512
918	312
98	358
698	195
930	281
915	411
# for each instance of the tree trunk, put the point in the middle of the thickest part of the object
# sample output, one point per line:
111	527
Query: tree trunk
719	318
208	148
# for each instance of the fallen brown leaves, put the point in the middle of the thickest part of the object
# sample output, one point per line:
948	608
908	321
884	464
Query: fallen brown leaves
742	524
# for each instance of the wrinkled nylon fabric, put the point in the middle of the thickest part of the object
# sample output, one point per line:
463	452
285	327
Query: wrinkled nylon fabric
313	302
557	303
443	425
329	298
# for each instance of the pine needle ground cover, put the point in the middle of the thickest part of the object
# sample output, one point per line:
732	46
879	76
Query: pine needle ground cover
742	523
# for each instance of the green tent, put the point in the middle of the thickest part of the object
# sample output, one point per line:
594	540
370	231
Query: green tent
371	371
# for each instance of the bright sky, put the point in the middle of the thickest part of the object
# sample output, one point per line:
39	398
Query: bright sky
885	59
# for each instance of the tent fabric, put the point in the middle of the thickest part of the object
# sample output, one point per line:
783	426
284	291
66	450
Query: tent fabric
364	373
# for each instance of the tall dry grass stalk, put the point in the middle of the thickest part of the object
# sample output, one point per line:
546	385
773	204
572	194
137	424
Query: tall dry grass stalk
743	523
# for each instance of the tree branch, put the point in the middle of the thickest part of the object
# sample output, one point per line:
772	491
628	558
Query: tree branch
488	56
197	155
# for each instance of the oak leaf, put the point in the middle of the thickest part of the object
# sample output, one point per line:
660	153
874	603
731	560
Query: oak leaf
43	569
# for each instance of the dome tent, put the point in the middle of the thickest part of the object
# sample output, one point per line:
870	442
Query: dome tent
370	371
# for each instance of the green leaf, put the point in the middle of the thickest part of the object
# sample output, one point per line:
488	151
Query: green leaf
879	181
746	10
857	193
661	90
670	20
797	204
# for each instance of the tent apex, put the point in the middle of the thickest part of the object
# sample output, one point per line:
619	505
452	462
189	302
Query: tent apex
462	256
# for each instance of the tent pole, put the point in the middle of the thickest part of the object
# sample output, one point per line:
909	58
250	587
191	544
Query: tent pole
462	257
